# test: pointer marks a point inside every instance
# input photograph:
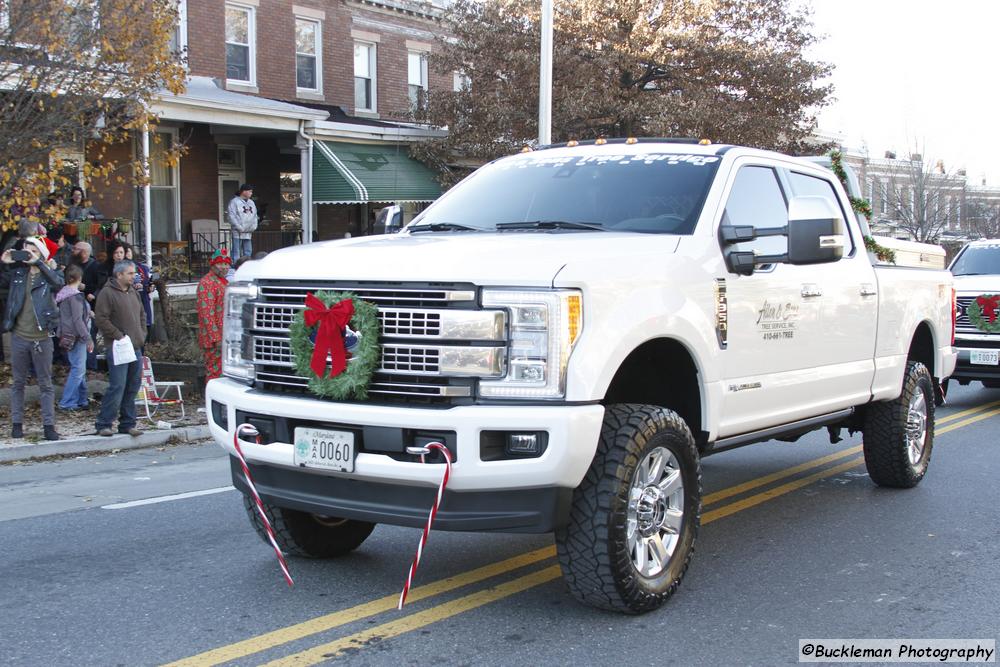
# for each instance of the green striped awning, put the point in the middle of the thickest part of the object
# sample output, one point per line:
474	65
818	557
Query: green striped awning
357	173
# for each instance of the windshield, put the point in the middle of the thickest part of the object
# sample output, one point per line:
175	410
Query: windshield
978	260
653	192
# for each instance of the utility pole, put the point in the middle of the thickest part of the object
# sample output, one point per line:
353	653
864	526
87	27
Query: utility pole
545	77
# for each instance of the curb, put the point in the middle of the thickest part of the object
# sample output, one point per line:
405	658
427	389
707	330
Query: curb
89	444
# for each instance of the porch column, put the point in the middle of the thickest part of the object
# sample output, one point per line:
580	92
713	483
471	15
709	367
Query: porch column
147	205
305	146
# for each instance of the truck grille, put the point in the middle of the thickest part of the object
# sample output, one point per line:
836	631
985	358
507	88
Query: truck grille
424	331
962	323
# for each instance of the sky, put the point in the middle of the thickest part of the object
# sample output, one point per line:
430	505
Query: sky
915	73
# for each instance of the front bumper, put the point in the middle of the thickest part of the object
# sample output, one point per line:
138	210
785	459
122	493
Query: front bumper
966	370
516	511
573	432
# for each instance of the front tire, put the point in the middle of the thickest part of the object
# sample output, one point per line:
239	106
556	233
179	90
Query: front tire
899	434
635	517
309	535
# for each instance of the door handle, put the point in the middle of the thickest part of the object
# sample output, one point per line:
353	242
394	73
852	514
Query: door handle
810	290
867	289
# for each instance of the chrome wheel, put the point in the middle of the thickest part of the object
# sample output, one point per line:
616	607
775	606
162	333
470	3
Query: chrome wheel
655	511
916	427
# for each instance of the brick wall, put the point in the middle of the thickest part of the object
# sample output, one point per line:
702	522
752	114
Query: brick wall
199	176
113	199
275	49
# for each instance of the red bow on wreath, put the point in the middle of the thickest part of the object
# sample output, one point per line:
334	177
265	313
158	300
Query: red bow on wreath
989	305
329	335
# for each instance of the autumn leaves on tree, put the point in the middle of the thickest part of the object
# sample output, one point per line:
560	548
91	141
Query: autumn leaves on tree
729	70
77	71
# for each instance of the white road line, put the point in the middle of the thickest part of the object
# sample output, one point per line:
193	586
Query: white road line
164	499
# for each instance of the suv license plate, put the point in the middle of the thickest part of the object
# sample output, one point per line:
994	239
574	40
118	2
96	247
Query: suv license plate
325	449
985	357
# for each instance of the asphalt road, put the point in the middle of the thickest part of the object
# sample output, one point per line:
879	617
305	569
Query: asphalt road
796	543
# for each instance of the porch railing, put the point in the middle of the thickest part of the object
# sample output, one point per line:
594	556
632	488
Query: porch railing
204	244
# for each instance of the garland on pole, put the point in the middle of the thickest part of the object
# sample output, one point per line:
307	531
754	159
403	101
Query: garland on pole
862	206
318	331
983	311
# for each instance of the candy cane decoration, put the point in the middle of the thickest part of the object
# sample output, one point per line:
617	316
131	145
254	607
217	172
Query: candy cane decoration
433	513
251	431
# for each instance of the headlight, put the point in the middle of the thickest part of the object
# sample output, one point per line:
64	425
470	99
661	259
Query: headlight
544	326
237	355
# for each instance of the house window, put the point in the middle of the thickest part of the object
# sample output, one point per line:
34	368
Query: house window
461	82
416	68
364	76
179	38
163	191
240	41
308	53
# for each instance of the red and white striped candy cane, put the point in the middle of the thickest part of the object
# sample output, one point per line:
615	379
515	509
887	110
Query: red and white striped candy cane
250	430
430	517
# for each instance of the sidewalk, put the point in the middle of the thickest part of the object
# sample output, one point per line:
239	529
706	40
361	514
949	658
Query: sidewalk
78	431
21	450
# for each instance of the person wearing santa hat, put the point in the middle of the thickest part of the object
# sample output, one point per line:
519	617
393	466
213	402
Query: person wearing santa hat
32	318
211	297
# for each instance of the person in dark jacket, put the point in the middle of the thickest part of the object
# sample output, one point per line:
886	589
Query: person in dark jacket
32	318
74	337
119	314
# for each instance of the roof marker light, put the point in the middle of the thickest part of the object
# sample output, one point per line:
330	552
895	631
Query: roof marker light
631	140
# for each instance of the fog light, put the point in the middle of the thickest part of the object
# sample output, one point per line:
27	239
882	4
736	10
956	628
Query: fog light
525	444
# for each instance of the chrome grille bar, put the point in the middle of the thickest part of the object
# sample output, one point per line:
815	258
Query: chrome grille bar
441	324
286	293
486	361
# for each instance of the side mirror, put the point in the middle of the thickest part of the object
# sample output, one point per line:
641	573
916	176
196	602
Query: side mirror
815	231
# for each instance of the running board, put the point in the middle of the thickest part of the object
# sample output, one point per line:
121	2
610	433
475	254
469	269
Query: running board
799	427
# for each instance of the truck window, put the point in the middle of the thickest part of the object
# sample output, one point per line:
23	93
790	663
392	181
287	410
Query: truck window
659	193
977	260
756	200
811	186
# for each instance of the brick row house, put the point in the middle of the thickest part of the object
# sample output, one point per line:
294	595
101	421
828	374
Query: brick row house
304	99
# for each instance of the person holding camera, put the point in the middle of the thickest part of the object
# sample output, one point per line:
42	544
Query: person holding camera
32	318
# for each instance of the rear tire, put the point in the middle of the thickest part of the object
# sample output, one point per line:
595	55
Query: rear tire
309	535
635	517
899	434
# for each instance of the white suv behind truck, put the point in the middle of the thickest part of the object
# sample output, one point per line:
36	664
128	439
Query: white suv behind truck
579	325
977	281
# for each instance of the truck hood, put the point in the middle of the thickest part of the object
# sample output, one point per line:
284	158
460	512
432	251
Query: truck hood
979	284
508	258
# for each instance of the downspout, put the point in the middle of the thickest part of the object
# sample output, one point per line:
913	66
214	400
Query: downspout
307	189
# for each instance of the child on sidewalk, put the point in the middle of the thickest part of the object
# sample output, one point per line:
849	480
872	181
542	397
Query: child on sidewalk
74	337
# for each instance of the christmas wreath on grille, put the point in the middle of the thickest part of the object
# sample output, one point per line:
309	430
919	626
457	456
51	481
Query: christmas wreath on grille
982	312
334	343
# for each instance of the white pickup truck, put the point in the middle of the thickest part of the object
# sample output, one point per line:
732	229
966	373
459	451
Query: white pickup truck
579	325
977	283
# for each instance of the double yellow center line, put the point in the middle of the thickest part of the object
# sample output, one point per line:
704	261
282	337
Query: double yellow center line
479	598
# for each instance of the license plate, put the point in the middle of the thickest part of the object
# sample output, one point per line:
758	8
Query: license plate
985	357
325	449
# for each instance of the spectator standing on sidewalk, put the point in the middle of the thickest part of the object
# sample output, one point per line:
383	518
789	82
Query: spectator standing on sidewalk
211	304
119	314
242	216
32	318
74	338
143	285
83	254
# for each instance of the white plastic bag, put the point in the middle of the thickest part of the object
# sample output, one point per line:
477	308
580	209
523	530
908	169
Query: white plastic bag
122	351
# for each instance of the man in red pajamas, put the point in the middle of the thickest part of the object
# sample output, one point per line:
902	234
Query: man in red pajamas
211	304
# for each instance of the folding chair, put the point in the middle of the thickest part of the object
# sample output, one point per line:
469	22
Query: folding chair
150	391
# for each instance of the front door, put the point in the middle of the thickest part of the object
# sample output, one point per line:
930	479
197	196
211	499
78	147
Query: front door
769	366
